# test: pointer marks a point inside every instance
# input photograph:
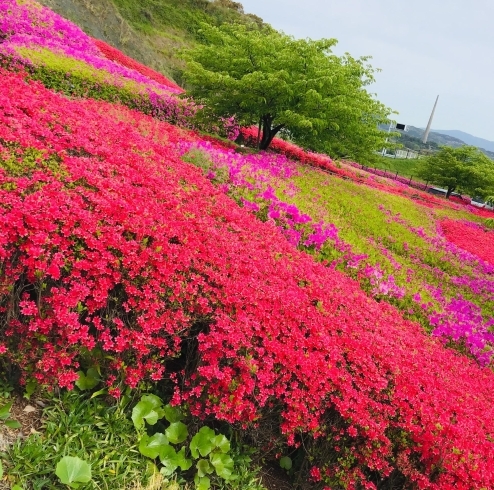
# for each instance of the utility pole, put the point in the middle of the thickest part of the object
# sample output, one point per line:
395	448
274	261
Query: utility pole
426	134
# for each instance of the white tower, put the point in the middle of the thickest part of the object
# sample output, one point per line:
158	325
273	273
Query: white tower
426	134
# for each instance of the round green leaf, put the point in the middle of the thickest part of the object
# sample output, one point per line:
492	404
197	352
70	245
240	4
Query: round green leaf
204	468
148	409
152	446
73	470
223	465
202	442
286	462
88	381
202	483
172	414
167	471
177	432
169	458
182	461
221	442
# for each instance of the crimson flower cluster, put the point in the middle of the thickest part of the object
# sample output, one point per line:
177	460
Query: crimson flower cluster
470	237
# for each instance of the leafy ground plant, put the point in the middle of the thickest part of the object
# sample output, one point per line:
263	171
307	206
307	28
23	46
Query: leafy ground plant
206	457
81	437
73	471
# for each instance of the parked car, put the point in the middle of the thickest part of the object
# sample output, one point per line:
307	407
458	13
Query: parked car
480	203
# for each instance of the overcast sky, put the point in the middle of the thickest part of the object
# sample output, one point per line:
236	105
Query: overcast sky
425	48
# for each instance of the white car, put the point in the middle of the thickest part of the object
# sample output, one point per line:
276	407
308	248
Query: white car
478	203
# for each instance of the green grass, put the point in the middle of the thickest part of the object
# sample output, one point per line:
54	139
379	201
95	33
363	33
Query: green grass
406	167
91	429
150	15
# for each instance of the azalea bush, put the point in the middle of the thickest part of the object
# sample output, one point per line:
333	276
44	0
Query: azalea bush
471	237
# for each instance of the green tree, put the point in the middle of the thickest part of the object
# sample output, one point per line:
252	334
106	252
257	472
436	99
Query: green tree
298	87
465	169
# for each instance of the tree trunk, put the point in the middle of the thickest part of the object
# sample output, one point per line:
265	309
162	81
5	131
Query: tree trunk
268	132
258	142
449	191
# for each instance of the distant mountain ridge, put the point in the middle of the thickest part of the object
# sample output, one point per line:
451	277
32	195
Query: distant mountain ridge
467	138
454	138
439	139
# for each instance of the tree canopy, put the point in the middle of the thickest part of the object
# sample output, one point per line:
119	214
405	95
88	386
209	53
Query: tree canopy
297	87
465	169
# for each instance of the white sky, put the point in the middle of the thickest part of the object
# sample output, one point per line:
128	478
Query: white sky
425	48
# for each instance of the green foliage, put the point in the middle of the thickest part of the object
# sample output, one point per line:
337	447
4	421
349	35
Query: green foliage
186	15
489	223
173	414
57	62
177	432
6	418
88	380
73	471
207	452
465	169
150	446
298	87
86	428
6	388
202	442
286	462
489	200
76	78
17	161
149	409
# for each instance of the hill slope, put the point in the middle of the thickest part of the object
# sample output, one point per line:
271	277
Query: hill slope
150	32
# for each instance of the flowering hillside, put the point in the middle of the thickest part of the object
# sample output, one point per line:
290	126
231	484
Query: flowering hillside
254	284
395	248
